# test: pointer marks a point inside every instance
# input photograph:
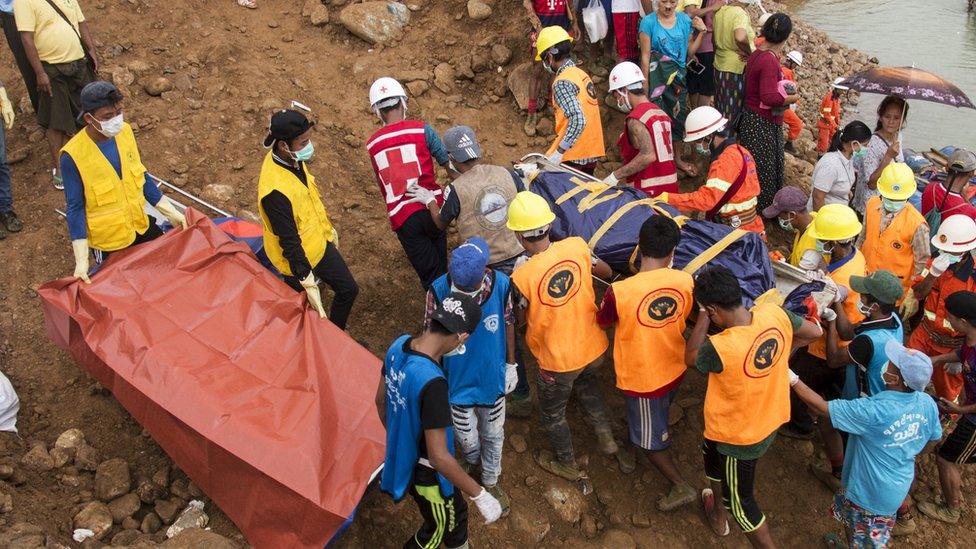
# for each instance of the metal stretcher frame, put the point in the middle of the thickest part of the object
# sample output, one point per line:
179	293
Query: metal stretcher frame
161	183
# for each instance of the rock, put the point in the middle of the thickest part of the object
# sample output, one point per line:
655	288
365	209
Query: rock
375	22
319	16
138	66
529	523
479	62
444	77
195	538
62	456
191	517
616	539
6	503
517	442
37	458
112	479
309	6
87	458
121	77
96	517
352	141
588	526
509	142
22	535
167	509
532	480
501	54
518	83
124	506
161	476
150	524
545	127
805	447
565	499
129	523
463	68
640	520
417	88
178	489
6	471
220	192
478	10
158	86
17	156
192	488
148	492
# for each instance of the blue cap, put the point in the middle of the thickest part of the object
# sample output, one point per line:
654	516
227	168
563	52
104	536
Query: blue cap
915	366
461	144
468	263
98	94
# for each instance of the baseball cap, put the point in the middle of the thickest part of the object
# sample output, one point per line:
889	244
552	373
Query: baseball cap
962	161
458	313
461	144
915	366
98	94
468	263
962	305
882	285
286	125
787	199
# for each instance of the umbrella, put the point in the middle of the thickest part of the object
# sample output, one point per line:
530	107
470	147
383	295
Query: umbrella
908	83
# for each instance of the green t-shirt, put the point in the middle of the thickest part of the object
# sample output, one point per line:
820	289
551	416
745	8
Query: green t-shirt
708	362
727	20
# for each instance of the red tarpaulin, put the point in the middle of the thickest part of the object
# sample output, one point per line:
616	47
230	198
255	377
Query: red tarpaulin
268	408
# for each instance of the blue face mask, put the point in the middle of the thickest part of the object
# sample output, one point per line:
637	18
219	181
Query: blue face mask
859	153
702	149
893	206
822	248
305	153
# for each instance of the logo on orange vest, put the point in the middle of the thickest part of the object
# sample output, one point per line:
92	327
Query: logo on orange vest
560	283
660	308
897	245
590	89
766	350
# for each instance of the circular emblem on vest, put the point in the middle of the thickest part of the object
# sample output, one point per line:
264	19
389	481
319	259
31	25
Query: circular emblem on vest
560	283
660	308
591	90
897	245
766	350
491	209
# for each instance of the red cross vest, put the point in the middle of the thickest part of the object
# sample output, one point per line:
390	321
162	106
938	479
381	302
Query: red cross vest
401	158
661	175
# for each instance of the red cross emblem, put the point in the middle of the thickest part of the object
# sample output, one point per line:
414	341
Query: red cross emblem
383	89
398	172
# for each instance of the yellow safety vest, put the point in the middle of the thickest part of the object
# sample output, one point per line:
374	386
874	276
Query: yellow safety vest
314	227
114	206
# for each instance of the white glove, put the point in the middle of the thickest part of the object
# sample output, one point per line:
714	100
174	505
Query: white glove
511	377
80	249
175	217
611	180
313	293
828	315
556	157
488	506
527	169
794	379
842	293
939	265
6	109
522	260
420	194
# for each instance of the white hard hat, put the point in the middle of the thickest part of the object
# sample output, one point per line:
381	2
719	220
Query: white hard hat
624	75
386	92
702	122
956	234
795	56
837	83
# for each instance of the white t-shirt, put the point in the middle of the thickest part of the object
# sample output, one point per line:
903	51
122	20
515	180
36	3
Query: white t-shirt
834	175
625	6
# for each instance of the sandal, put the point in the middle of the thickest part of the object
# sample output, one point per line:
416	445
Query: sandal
249	4
708	505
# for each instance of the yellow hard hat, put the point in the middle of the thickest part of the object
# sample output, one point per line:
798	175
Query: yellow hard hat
835	222
549	37
897	182
528	212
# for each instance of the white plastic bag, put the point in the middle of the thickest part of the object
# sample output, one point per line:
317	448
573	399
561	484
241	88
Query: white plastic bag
595	21
9	405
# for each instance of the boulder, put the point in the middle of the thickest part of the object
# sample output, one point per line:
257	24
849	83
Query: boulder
417	88
112	479
124	506
501	54
96	517
565	499
62	456
87	458
158	86
529	523
167	509
444	77
518	83
375	22
309	6
319	16
38	458
478	10
195	538
150	523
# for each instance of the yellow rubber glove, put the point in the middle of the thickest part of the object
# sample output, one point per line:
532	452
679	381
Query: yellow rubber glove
80	249
334	238
6	109
313	294
167	208
909	306
663	197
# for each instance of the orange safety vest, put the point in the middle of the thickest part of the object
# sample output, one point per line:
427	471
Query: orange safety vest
648	345
590	142
891	249
856	266
562	331
934	310
750	397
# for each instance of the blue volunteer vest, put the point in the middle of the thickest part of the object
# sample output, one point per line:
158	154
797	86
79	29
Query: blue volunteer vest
863	382
405	376
477	378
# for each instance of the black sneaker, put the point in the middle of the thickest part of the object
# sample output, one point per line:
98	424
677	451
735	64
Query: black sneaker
10	222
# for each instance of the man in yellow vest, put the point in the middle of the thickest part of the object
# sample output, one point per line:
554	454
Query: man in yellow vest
106	186
748	395
298	236
895	235
649	310
555	295
579	131
789	208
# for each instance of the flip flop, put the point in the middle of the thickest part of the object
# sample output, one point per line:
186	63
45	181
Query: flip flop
708	504
58	180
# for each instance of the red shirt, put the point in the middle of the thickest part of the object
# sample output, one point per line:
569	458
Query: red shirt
659	176
762	75
935	193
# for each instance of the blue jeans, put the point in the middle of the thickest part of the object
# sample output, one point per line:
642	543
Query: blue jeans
6	197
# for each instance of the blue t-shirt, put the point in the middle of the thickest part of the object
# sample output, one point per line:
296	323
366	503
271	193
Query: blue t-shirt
887	431
672	42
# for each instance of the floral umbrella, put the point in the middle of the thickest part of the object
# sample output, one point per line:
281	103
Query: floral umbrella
908	83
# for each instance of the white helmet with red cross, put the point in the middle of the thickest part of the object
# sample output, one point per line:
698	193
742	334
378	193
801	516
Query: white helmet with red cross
625	75
702	122
386	92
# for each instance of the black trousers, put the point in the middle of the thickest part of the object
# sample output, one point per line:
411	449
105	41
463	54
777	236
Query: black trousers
823	379
332	270
425	245
152	233
20	56
445	519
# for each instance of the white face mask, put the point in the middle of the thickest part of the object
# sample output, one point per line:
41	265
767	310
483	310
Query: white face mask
110	127
473	293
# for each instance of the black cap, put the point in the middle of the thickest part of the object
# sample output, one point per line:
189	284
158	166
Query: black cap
286	125
458	313
99	94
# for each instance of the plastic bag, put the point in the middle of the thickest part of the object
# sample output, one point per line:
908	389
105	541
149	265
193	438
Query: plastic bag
9	405
595	21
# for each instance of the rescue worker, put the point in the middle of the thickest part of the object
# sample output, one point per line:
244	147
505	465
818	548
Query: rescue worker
579	130
792	120
953	270
895	236
829	116
748	394
106	186
645	144
403	153
541	14
789	208
730	193
299	237
555	296
413	404
649	311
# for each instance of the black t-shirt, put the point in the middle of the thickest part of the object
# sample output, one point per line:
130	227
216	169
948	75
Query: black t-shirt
861	348
451	208
435	413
